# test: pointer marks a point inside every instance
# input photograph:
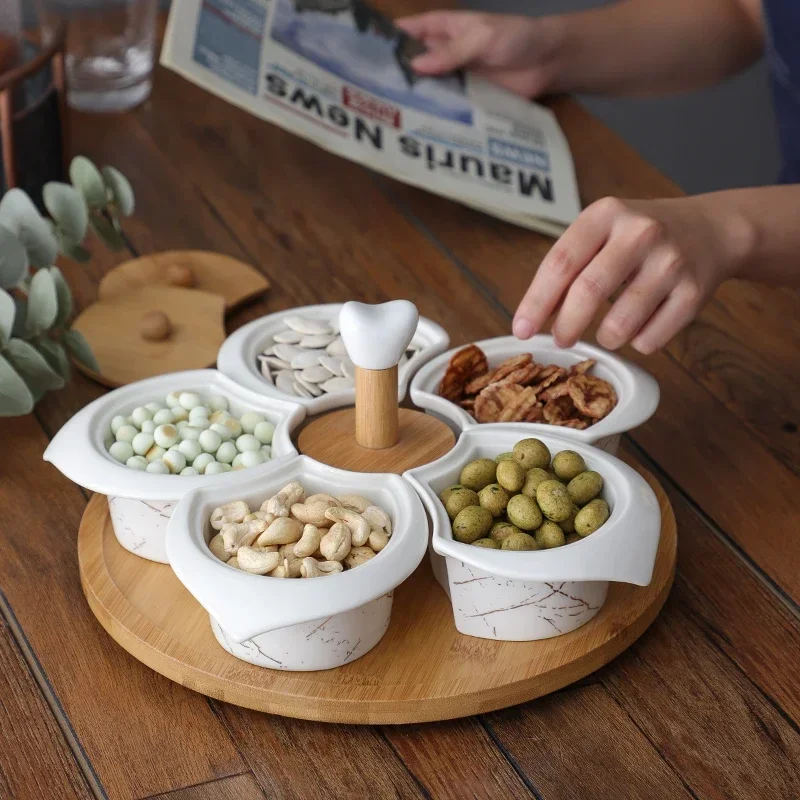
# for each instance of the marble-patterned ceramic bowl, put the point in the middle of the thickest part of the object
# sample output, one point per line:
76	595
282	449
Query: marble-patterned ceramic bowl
301	623
237	358
637	392
140	503
522	596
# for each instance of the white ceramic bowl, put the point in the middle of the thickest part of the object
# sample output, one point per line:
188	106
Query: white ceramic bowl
637	392
300	623
140	503
237	358
522	596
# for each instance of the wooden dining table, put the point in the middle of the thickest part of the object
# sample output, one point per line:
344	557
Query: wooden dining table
706	704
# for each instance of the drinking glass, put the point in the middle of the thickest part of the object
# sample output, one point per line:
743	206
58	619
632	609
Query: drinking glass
110	50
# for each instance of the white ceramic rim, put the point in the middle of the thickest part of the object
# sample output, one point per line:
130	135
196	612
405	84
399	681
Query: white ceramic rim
78	449
273	603
623	550
237	356
637	391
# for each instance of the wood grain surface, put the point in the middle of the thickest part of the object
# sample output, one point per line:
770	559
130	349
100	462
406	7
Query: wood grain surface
706	701
330	439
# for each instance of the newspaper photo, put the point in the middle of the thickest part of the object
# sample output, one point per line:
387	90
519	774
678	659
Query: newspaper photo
338	73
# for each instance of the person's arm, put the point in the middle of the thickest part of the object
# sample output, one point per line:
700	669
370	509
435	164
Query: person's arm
632	47
651	46
663	260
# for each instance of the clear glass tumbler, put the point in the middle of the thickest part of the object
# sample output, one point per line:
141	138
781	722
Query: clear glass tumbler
110	50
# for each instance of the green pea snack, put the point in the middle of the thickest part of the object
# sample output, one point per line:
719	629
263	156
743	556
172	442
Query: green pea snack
478	474
531	453
526	500
459	498
567	464
494	498
471	524
510	475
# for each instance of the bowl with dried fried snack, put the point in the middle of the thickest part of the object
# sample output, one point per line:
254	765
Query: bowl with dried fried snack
586	393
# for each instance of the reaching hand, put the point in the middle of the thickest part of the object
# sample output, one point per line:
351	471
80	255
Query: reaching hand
516	52
664	257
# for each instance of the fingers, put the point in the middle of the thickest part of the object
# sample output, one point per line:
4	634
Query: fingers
579	244
674	314
622	255
639	301
424	26
451	54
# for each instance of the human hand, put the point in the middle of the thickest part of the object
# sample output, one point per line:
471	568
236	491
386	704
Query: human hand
516	52
664	257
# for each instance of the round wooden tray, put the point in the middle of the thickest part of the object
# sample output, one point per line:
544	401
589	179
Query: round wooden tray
423	669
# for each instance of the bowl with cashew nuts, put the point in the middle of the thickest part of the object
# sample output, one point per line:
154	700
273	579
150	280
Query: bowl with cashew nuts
528	594
297	568
130	446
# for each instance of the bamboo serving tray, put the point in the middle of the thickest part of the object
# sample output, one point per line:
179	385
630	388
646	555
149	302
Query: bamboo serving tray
423	669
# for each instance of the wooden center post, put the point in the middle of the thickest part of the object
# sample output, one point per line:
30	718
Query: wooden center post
376	436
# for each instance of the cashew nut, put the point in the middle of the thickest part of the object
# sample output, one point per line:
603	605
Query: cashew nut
309	542
290	568
312	513
354	502
262	515
378	539
281	531
358	556
328	499
217	547
377	516
294	536
259	562
359	527
230	512
286	550
281	504
336	543
241	534
309	568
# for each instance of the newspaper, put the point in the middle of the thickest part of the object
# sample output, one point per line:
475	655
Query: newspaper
337	72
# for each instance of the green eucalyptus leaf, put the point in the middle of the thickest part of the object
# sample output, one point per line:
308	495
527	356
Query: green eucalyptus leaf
55	355
64	297
68	208
87	179
8	310
32	367
15	397
80	349
108	232
120	189
76	252
20	216
42	304
13	259
20	318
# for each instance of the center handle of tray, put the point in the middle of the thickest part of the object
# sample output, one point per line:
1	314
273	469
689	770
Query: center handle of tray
376	436
376	336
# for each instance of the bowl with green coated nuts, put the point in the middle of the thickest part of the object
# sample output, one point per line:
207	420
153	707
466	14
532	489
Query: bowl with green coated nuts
531	552
148	443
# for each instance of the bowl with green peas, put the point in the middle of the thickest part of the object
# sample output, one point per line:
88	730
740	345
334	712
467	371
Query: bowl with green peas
149	443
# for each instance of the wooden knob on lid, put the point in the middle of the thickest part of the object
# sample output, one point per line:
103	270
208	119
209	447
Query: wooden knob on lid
376	336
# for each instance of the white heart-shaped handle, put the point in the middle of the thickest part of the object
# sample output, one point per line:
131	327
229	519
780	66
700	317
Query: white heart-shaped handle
376	336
